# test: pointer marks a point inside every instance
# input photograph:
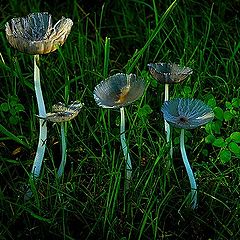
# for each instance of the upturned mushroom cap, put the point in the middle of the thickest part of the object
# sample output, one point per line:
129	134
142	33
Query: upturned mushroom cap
169	72
187	113
118	90
62	113
34	33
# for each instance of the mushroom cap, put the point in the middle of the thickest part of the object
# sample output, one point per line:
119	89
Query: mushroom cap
62	113
73	106
34	33
58	117
119	90
187	113
169	72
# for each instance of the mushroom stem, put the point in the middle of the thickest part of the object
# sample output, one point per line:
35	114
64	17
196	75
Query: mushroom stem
189	171
124	147
166	94
64	151
42	123
166	124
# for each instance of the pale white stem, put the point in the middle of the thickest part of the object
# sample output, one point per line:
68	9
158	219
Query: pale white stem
42	124
189	171
64	151
37	164
124	146
166	94
166	125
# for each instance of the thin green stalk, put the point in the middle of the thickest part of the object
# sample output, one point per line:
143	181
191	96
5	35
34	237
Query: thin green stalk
11	136
189	171
124	147
42	125
167	126
106	56
64	151
137	55
155	8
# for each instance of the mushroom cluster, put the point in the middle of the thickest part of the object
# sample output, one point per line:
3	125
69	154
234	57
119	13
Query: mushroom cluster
180	113
169	73
35	34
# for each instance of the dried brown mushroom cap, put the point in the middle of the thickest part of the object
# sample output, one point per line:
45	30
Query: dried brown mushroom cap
169	72
34	33
119	90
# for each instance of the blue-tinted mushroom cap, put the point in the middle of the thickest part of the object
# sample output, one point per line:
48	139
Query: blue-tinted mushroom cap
187	113
169	72
118	90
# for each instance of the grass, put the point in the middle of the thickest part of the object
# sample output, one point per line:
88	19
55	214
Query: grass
90	202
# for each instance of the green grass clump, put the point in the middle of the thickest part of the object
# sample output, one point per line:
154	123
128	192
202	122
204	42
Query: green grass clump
90	201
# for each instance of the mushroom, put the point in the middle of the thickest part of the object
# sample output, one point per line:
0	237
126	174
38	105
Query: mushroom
34	34
60	114
187	114
118	91
168	73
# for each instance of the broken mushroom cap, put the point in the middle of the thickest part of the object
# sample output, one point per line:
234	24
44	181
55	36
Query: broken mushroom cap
34	34
187	113
62	113
169	73
119	90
